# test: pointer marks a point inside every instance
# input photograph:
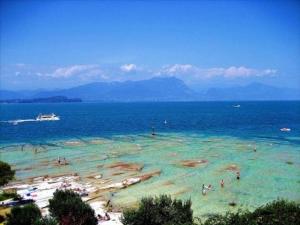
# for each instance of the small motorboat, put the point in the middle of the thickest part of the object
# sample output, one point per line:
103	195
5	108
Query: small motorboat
237	106
285	129
47	117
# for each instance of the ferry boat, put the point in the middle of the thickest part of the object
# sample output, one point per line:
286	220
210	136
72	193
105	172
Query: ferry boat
47	117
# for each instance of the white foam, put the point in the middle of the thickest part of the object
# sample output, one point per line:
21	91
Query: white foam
16	122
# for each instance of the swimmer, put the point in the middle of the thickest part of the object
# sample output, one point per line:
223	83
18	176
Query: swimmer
58	160
238	175
222	183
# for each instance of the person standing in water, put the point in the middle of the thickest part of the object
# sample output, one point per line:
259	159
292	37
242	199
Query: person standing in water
222	183
203	190
153	131
238	175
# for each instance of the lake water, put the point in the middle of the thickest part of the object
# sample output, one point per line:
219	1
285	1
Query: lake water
195	143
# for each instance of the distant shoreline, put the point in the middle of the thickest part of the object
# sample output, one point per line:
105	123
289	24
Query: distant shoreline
54	99
78	100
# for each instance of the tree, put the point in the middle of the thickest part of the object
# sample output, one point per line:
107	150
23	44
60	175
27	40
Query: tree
68	209
159	211
6	173
26	215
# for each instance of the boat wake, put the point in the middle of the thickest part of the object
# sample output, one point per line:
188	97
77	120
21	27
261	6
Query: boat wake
41	117
16	122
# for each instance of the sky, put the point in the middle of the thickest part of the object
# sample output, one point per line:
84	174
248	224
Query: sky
60	44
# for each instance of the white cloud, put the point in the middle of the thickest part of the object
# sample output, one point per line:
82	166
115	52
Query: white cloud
128	68
230	72
65	72
177	69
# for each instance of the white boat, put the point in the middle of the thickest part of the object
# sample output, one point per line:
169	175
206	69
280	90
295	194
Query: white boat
47	117
237	106
285	129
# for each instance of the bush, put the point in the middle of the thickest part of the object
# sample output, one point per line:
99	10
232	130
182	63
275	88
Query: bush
26	215
5	196
239	218
159	211
6	173
46	221
280	212
68	209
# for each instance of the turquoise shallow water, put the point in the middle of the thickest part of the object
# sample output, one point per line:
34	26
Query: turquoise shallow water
92	137
272	171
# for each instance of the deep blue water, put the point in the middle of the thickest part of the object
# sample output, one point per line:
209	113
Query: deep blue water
252	119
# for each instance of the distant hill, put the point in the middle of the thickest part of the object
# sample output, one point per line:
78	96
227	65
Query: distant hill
6	94
54	99
155	89
158	89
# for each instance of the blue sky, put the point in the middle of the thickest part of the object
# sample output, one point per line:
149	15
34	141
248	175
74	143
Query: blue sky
57	44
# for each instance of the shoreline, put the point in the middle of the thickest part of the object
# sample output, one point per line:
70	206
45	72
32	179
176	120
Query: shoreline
41	189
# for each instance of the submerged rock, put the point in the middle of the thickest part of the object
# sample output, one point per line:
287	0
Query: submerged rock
149	175
193	163
183	191
125	183
130	181
98	141
232	167
168	183
126	166
73	143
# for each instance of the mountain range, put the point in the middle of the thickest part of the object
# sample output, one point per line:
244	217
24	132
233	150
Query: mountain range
158	89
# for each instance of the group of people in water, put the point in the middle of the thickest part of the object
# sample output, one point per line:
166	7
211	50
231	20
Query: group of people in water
62	161
106	217
205	189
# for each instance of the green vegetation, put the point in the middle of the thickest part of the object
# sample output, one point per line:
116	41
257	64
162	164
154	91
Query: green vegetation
68	208
26	215
165	211
159	211
280	212
46	221
6	173
6	195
